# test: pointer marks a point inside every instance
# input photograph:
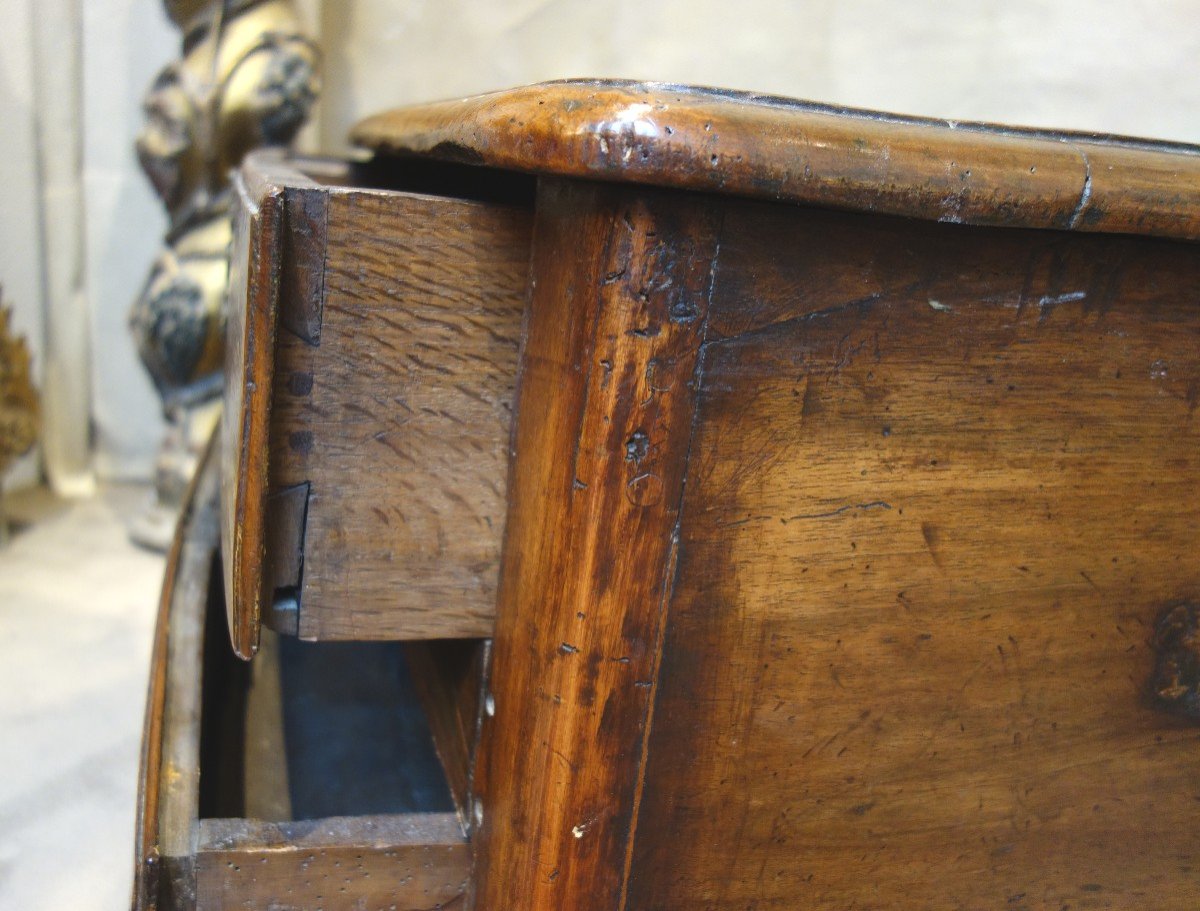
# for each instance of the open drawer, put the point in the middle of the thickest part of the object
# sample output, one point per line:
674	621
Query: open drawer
306	779
375	319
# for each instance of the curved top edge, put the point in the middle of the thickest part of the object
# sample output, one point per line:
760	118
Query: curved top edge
767	147
783	104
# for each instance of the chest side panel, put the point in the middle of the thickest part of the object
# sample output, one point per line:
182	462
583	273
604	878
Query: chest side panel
940	496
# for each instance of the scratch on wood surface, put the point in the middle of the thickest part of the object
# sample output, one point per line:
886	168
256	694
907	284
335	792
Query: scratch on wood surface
1085	195
1050	300
874	504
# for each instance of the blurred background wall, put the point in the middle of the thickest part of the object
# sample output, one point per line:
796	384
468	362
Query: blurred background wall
79	225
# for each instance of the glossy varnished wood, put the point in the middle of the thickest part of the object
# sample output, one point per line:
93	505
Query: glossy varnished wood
618	307
940	492
250	350
778	148
168	776
842	552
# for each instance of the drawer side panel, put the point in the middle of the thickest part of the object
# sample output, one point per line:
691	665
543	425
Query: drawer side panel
399	416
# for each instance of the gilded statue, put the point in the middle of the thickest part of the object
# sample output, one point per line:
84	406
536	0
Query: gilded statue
248	78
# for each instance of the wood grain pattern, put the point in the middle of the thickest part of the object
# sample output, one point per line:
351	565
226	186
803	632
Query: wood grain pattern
448	675
941	489
399	417
250	351
777	148
606	398
835	543
410	863
168	779
416	861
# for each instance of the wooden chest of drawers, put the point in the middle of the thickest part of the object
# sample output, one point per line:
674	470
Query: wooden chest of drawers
783	507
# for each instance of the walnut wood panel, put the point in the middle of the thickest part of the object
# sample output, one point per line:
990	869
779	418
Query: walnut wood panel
778	148
410	863
398	416
449	678
250	347
605	410
169	775
941	491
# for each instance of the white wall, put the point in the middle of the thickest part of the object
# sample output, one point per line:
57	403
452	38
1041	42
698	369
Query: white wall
1106	65
125	43
1083	64
78	224
20	264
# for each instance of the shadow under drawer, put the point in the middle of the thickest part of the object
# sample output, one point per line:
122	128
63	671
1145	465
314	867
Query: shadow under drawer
306	779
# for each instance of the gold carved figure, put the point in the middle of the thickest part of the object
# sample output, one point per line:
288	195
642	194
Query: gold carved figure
247	78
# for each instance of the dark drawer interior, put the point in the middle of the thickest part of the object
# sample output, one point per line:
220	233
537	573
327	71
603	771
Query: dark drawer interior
308	778
309	730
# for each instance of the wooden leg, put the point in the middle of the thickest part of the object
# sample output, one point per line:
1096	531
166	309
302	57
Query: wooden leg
621	282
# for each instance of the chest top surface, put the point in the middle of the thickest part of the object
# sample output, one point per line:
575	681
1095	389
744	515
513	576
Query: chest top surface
782	149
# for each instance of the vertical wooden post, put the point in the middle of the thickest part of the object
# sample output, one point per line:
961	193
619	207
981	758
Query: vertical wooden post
604	417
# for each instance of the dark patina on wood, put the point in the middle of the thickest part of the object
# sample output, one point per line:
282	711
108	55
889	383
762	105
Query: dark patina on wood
167	782
410	863
1176	680
793	151
840	547
250	352
938	496
607	391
